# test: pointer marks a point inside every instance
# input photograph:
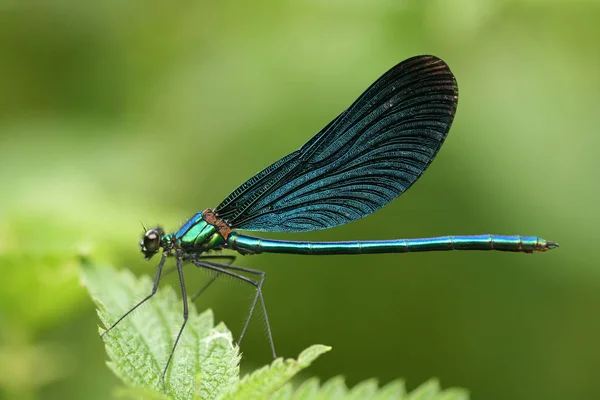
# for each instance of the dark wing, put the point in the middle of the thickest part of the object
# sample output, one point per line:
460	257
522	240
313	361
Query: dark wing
363	159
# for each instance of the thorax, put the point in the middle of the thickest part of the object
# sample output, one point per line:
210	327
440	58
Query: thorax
201	233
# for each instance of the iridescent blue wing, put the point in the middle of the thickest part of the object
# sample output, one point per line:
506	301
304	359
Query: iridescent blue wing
363	159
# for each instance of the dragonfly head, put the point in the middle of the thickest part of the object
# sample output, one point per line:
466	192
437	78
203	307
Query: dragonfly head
152	241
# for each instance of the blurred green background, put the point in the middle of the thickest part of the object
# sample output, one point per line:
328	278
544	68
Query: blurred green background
112	113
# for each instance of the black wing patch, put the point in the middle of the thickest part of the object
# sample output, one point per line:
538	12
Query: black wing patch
363	159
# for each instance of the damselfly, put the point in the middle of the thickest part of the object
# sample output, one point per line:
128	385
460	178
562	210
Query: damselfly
366	157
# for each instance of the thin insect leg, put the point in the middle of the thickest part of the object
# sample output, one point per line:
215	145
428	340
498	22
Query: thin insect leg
154	289
230	258
235	268
226	269
258	295
214	278
185	318
203	288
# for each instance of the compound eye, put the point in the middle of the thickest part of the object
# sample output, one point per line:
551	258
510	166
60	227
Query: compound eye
151	240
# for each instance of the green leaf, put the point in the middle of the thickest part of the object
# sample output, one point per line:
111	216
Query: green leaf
130	393
205	363
393	390
269	379
336	389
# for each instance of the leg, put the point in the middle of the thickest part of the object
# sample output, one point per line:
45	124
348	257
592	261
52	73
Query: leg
185	318
214	278
230	258
258	286
154	289
227	270
203	288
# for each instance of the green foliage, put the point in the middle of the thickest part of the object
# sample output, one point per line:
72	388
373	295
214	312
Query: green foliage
121	112
336	389
206	362
38	290
267	380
